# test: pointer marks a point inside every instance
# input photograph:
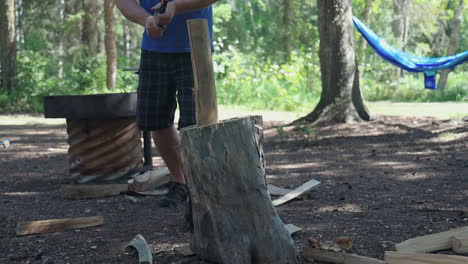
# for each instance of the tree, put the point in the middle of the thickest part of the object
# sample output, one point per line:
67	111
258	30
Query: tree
341	99
90	34
111	49
8	44
453	45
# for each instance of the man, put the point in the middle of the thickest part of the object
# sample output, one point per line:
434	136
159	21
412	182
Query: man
166	74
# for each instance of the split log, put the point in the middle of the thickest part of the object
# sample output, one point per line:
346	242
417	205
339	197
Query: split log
430	243
460	243
206	107
57	225
144	253
275	190
150	180
233	216
296	192
83	191
319	254
422	258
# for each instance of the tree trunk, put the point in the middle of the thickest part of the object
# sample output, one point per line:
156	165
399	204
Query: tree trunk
234	219
111	50
287	28
453	45
400	26
341	99
90	33
8	44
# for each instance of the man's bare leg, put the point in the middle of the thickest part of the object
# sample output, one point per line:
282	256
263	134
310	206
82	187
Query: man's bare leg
168	143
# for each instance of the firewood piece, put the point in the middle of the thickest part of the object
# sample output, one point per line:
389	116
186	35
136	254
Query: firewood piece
144	253
233	217
57	225
292	229
297	192
460	243
319	254
83	191
150	180
422	258
183	250
274	190
430	243
157	192
206	108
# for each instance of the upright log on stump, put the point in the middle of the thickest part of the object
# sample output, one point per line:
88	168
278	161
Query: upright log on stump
234	219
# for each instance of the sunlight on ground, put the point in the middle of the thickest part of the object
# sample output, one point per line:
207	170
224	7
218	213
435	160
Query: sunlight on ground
438	110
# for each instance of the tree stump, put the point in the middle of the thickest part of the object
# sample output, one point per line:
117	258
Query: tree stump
233	216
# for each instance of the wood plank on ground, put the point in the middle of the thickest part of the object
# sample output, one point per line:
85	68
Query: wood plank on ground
144	253
83	191
275	190
430	243
460	243
319	254
422	258
296	192
292	229
57	225
150	180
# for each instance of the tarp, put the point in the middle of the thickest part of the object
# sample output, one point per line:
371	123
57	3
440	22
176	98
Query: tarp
409	62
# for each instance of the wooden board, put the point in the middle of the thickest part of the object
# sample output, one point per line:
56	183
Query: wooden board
82	191
275	190
422	258
57	225
319	254
460	243
296	192
144	253
430	243
150	180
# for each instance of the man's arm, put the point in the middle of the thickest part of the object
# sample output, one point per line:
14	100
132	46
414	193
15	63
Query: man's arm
181	6
135	13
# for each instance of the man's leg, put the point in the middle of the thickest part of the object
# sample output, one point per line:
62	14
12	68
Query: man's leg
168	143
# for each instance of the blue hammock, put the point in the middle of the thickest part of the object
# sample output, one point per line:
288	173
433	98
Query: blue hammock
412	63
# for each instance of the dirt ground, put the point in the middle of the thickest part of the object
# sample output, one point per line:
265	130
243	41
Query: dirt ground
383	182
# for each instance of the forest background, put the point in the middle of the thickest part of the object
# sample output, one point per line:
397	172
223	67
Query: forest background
266	51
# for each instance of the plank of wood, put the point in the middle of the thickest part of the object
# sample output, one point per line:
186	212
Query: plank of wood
206	107
275	190
460	243
422	258
150	180
292	229
57	225
430	243
296	192
83	191
319	254
144	253
183	250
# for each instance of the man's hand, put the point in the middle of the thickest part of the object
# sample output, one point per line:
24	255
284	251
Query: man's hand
153	28
165	18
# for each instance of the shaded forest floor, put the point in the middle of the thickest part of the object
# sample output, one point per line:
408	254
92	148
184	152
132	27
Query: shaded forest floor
383	182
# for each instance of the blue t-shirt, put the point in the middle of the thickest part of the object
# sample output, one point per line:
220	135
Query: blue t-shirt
175	38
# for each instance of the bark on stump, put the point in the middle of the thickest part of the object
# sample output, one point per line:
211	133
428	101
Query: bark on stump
234	219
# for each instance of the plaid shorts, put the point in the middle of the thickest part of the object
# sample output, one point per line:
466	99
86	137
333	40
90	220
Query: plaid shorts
165	79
